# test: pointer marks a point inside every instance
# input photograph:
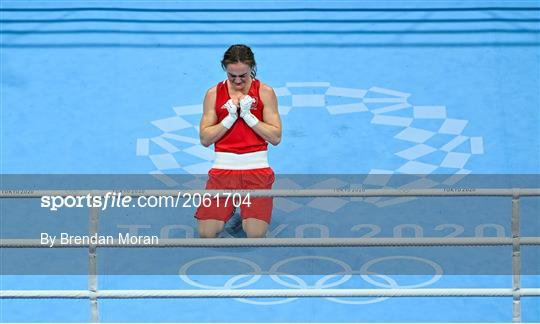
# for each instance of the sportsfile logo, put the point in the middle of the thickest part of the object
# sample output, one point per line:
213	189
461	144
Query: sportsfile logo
110	199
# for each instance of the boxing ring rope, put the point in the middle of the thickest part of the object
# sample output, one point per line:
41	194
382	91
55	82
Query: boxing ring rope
353	192
269	293
284	242
516	292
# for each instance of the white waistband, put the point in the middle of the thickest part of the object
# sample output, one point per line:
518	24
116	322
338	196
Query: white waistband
246	161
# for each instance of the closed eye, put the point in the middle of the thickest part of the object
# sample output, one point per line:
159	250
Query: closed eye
238	76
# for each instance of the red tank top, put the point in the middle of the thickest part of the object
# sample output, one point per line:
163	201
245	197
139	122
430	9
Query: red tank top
240	138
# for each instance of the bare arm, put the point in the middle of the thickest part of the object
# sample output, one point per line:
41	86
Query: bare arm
270	127
210	131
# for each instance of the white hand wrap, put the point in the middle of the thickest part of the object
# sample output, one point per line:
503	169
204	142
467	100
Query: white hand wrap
245	111
228	121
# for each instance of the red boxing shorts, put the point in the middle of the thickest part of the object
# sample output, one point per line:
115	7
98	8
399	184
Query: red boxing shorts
223	208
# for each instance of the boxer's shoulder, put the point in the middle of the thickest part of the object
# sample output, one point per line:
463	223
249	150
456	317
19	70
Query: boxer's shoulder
265	90
212	90
211	93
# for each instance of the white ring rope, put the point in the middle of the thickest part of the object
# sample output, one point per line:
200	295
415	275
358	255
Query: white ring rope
285	242
271	293
285	192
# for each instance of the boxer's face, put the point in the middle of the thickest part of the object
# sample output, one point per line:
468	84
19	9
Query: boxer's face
238	75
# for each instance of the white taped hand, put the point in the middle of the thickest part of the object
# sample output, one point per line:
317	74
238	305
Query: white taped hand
245	111
228	121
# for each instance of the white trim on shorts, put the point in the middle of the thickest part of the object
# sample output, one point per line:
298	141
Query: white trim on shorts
246	161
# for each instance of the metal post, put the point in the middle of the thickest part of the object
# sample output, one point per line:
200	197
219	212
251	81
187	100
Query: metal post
92	267
516	259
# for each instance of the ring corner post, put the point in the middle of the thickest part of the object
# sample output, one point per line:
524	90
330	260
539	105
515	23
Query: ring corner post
516	258
92	266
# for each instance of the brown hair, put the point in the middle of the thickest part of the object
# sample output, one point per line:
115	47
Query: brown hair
240	53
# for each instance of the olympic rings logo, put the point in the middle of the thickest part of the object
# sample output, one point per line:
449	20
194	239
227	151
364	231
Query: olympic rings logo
276	275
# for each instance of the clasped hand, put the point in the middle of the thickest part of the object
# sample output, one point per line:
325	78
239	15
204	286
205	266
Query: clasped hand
245	112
